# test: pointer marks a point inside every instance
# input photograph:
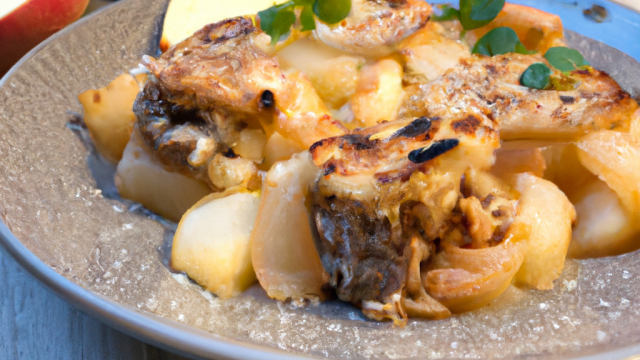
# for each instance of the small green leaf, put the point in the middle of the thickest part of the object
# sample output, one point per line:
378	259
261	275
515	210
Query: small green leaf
521	49
285	18
266	19
565	59
304	2
536	76
501	40
478	13
448	13
332	11
306	19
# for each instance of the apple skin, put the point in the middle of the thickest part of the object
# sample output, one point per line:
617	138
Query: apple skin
31	23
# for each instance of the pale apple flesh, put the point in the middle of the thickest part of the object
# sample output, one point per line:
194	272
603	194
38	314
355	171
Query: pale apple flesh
185	17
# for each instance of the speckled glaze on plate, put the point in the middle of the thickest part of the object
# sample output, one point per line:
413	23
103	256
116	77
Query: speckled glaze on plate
62	220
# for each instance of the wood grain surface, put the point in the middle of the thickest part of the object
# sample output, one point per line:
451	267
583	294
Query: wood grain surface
36	324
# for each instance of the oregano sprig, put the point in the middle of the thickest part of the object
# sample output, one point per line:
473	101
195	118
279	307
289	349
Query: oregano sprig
565	59
499	41
538	75
277	20
448	13
472	14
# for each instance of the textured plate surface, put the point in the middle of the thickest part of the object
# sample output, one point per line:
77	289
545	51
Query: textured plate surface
65	225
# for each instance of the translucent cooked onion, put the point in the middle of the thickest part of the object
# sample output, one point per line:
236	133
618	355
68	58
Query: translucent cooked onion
615	158
284	255
467	279
548	215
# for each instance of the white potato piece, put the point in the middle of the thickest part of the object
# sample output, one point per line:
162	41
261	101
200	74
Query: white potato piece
141	179
278	149
108	113
301	115
604	226
251	145
284	254
519	161
212	242
548	215
565	170
378	94
615	158
429	53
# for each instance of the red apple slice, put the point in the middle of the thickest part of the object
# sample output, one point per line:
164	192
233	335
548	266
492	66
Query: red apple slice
25	23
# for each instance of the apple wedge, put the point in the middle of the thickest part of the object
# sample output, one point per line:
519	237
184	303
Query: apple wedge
25	23
184	17
212	242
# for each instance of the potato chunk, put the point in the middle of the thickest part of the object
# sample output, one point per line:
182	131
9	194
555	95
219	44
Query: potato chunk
565	170
519	161
615	158
141	179
604	226
332	72
429	53
251	145
108	113
278	149
212	242
378	93
548	215
284	254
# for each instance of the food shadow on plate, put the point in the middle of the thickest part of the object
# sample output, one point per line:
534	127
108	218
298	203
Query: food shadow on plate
103	172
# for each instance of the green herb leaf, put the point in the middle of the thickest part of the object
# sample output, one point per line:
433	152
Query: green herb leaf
536	76
501	40
332	11
478	13
273	23
565	59
266	19
306	19
304	2
448	13
285	18
521	49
